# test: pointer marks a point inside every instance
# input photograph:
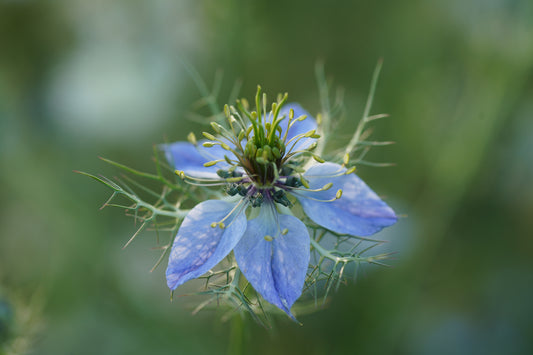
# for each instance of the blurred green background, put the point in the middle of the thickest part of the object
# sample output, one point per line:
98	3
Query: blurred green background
82	79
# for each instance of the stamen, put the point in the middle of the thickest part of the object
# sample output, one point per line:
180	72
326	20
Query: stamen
350	171
209	136
338	195
211	181
326	187
346	159
221	222
213	162
337	173
192	138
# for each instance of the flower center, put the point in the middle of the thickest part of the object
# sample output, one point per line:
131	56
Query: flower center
263	162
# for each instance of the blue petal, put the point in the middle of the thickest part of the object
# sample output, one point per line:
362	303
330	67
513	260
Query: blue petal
299	127
191	158
276	269
358	212
198	247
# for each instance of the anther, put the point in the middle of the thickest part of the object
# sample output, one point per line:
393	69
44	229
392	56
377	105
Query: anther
319	119
211	163
327	186
346	159
338	194
304	182
213	225
209	136
192	138
180	173
285	231
318	159
268	238
208	144
216	127
351	170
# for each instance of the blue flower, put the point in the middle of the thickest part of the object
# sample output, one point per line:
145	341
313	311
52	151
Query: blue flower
261	160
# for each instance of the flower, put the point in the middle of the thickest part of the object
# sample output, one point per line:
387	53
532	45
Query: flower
261	159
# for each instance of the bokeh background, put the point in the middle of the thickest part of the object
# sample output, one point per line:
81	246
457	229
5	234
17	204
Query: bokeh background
82	79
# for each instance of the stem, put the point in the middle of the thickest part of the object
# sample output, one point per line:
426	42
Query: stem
236	336
355	139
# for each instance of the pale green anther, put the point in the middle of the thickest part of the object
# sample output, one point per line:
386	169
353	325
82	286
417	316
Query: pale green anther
285	231
316	136
208	144
210	163
276	153
226	111
338	194
209	136
216	127
312	146
254	115
305	183
301	118
327	186
225	146
346	159
241	135
268	238
227	159
245	104
318	159
213	225
310	133
351	170
221	225
319	119
192	138
291	114
248	131
180	173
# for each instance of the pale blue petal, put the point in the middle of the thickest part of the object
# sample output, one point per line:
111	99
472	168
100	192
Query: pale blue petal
358	212
276	269
191	158
299	127
198	247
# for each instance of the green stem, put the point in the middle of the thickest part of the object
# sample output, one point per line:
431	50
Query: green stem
355	139
236	337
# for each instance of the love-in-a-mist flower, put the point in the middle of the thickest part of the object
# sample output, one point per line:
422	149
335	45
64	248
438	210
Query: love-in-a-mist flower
265	163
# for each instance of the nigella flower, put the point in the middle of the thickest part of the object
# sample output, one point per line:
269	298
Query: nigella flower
263	161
